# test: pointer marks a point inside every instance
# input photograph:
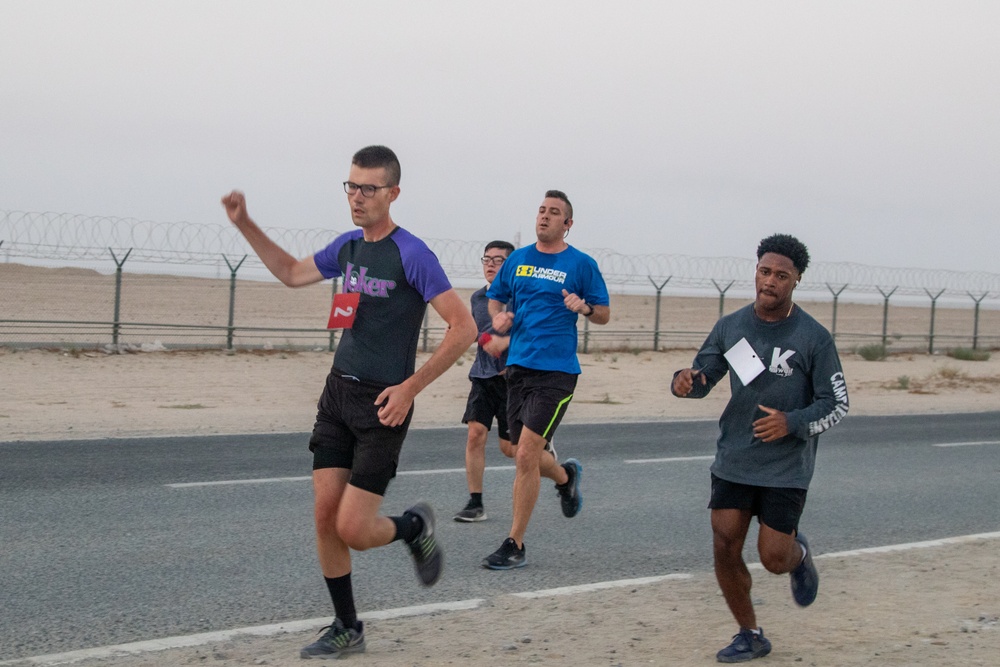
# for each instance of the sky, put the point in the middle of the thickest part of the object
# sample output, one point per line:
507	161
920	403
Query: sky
868	129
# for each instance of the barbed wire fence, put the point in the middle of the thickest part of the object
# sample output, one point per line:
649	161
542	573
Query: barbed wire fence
158	254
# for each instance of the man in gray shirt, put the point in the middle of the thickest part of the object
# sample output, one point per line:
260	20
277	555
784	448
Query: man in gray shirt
488	395
787	387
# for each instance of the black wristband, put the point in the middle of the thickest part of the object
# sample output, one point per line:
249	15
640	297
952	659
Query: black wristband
591	309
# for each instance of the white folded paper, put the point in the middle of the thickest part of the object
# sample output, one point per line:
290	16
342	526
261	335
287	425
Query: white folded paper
744	361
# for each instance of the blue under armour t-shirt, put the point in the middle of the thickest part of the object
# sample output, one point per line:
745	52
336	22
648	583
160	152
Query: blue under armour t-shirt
530	282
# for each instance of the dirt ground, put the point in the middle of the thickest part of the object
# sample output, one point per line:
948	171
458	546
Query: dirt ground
937	605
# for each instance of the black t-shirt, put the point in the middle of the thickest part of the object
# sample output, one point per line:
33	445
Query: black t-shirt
396	277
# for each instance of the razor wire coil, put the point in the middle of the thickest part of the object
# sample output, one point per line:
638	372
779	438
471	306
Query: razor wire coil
67	237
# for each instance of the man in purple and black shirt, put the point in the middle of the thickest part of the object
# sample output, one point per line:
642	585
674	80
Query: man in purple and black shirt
367	403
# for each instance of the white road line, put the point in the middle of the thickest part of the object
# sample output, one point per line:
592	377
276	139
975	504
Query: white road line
312	624
909	546
601	585
441	471
444	471
230	482
136	648
961	539
272	480
675	459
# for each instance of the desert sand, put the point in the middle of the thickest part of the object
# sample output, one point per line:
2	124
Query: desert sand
937	605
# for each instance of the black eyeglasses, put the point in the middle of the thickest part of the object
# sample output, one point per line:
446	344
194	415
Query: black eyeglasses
495	261
367	190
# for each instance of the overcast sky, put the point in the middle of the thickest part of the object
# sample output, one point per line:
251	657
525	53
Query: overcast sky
869	129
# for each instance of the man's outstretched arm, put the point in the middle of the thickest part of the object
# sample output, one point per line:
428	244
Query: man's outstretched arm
290	271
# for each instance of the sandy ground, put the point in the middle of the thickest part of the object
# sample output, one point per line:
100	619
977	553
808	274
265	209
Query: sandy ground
937	605
71	395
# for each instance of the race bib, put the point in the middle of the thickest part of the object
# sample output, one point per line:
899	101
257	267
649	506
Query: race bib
345	307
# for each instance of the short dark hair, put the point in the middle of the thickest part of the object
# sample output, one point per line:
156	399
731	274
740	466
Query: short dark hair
787	246
502	245
559	194
374	157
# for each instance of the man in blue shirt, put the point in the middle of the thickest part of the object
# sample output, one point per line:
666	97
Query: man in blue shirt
367	402
766	451
546	287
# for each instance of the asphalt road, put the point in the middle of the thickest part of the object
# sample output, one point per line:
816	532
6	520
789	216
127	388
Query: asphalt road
106	542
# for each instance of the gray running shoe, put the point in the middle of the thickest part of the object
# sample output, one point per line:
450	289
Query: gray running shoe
507	557
427	556
569	493
471	513
745	646
804	578
337	642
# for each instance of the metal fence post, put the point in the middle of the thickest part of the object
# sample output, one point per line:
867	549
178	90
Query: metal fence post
930	335
232	298
836	295
116	325
656	323
975	321
885	312
722	294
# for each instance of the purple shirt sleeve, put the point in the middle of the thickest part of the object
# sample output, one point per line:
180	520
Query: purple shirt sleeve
421	265
327	259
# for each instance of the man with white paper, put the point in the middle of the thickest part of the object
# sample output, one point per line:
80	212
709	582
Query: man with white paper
787	387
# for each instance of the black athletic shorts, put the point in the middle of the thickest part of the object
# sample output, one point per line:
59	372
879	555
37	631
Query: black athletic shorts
537	399
488	400
776	507
348	434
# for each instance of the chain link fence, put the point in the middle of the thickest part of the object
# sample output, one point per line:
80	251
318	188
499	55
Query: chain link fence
85	282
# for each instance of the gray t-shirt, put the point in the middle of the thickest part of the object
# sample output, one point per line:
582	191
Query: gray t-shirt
802	377
485	365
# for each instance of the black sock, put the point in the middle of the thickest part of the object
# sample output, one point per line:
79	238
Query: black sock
408	527
476	499
342	594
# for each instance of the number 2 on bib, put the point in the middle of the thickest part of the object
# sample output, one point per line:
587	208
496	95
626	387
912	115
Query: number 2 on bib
343	310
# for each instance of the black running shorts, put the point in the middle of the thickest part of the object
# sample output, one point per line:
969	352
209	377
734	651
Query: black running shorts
348	434
488	400
538	400
776	507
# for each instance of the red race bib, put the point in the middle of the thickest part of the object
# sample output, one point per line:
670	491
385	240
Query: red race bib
345	307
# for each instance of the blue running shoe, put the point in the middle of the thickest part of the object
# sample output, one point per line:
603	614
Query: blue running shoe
569	493
746	645
804	578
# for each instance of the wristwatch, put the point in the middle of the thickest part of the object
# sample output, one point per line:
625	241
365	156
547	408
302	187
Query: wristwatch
591	309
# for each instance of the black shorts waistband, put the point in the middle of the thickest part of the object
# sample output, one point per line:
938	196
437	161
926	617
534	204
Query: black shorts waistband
355	379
